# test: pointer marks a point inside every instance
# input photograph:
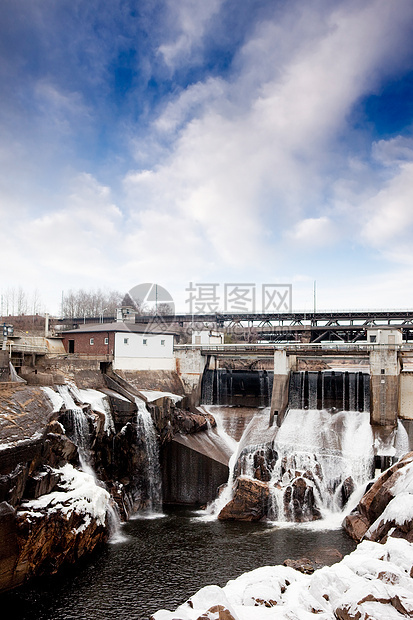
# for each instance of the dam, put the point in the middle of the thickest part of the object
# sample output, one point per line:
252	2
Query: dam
270	434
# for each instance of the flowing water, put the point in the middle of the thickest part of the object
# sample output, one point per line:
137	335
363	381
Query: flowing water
81	438
80	427
148	492
162	563
330	454
326	451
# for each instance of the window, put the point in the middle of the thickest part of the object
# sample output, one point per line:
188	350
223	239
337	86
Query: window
126	341
373	338
162	343
92	341
145	341
106	340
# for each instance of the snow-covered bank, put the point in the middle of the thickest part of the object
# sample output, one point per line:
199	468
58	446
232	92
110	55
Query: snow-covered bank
373	582
387	507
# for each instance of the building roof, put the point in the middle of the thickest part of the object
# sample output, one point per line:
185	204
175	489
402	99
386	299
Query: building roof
117	326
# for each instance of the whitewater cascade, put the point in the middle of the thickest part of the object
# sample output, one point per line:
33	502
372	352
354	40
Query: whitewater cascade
321	459
81	438
253	435
148	490
80	428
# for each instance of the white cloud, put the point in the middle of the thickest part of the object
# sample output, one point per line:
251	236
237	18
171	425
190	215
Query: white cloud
393	151
389	216
76	243
315	232
58	107
188	21
253	160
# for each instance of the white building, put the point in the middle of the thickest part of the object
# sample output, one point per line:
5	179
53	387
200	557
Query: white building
128	345
207	336
384	335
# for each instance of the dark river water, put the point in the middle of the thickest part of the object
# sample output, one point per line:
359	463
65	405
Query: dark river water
161	564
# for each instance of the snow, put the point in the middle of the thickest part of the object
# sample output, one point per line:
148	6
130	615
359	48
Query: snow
98	402
373	570
80	495
152	395
10	442
398	511
404	481
54	397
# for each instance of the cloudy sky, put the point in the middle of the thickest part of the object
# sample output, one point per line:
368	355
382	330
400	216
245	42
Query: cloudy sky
228	141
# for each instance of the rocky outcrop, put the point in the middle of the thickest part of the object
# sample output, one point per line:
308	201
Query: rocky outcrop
56	528
386	509
40	440
296	489
249	503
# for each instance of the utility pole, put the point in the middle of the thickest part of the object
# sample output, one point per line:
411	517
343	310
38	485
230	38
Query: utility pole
315	296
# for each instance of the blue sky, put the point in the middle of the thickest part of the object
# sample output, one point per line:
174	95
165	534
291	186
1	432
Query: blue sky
229	141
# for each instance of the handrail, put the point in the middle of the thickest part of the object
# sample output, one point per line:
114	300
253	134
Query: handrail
336	346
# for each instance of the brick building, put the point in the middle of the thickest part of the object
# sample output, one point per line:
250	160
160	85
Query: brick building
131	347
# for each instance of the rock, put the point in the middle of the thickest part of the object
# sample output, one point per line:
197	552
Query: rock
379	495
344	613
262	466
356	526
41	483
250	501
47	541
12	485
9	548
60	449
304	565
217	612
299	501
375	502
347	489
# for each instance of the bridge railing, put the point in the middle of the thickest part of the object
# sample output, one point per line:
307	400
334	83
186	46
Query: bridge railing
296	346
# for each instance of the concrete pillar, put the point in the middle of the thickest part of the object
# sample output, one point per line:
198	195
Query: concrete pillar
279	400
384	385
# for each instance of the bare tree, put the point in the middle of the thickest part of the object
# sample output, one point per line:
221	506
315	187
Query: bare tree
164	309
21	301
81	303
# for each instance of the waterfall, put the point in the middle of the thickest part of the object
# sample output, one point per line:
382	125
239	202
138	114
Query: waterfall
323	458
14	376
237	387
81	438
329	389
79	428
252	437
148	490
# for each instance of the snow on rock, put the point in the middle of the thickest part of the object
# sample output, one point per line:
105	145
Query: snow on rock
55	398
79	493
60	527
375	581
387	507
404	482
152	395
99	402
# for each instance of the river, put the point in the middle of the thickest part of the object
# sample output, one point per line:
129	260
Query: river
162	562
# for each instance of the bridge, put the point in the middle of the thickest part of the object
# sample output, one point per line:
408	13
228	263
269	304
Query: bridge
301	326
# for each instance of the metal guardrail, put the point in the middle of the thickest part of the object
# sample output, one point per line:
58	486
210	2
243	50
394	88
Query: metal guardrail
298	346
